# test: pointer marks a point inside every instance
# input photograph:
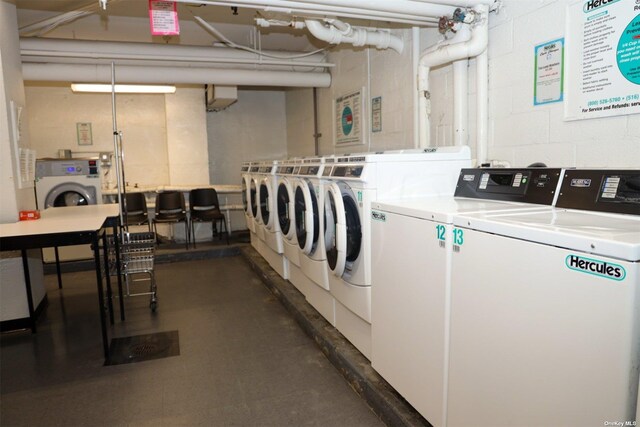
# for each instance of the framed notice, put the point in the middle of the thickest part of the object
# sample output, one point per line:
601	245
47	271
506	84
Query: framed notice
603	59
549	63
348	119
376	114
83	131
163	18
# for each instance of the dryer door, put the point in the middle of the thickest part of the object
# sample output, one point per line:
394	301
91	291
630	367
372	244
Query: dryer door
245	195
70	194
335	229
284	208
306	216
253	196
265	203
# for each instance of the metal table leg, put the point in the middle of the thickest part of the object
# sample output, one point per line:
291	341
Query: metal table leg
27	283
58	268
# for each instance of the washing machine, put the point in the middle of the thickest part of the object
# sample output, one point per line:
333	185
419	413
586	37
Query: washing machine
272	250
285	194
545	309
67	182
354	183
410	294
309	223
245	176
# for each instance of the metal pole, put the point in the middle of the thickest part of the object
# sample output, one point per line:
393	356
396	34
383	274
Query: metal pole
116	145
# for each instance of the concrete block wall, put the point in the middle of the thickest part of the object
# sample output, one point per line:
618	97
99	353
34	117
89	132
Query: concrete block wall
519	132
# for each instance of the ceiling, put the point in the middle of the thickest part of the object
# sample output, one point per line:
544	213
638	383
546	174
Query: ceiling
128	20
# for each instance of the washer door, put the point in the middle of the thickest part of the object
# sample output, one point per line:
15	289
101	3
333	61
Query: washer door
71	194
343	230
245	195
253	196
284	207
265	203
306	216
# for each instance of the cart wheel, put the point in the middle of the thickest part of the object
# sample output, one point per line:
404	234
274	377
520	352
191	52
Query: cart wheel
154	306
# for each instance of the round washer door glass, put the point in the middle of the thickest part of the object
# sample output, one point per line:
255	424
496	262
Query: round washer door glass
330	229
244	195
354	228
254	199
70	198
305	228
283	208
264	202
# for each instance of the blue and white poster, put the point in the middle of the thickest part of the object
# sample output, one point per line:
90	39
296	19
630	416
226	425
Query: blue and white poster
348	120
603	59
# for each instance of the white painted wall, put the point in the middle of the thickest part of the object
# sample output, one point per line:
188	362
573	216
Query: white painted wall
299	112
254	128
518	132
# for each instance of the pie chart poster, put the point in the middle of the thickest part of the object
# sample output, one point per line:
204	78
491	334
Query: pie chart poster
348	120
603	59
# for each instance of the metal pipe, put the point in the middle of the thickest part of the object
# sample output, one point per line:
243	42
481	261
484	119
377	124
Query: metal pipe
116	146
173	75
316	135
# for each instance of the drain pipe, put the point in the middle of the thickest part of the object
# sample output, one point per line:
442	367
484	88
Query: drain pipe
341	32
461	101
454	50
316	135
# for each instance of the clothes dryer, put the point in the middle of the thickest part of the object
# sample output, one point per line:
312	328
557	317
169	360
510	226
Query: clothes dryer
309	223
272	249
411	293
245	176
252	201
354	183
67	182
285	195
545	309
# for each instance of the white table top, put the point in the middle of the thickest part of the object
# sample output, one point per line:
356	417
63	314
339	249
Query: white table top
221	189
62	220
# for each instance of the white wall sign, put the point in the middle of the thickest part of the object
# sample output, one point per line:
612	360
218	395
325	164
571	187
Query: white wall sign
163	17
603	59
376	114
348	119
549	62
85	136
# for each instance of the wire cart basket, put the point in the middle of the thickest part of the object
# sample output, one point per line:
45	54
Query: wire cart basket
137	252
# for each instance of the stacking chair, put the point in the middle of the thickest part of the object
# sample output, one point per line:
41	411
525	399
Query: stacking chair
204	207
136	210
170	208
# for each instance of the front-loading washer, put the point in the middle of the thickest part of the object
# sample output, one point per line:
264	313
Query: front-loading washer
309	223
273	248
545	309
67	182
245	176
410	294
354	183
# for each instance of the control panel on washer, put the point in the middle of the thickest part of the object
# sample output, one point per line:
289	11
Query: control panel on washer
67	167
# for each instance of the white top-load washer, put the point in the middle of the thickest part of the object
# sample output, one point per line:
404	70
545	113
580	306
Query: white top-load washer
412	243
354	183
545	309
309	223
68	182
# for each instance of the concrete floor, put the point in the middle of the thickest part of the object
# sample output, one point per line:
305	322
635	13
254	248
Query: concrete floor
243	359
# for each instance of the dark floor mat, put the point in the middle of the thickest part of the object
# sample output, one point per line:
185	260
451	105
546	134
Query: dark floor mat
139	348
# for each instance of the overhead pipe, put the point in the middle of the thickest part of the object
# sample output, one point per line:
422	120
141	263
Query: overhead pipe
38	50
461	101
173	75
341	32
444	53
400	11
482	93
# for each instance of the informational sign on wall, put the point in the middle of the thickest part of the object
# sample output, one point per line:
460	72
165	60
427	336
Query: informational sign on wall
348	120
603	59
163	17
376	114
85	136
549	63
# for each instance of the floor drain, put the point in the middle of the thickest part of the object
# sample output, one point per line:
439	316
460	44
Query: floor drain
144	347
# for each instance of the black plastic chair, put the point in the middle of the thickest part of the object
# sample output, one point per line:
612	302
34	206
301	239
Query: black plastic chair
204	207
170	208
136	210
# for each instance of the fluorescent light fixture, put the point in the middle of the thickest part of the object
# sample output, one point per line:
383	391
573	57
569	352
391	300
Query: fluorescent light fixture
106	88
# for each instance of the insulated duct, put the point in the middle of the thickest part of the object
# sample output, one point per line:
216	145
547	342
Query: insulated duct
176	75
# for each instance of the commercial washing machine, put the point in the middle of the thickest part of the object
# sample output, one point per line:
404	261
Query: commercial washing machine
309	223
410	293
245	176
354	183
68	182
545	309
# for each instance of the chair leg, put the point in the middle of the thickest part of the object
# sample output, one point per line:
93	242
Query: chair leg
193	235
186	234
226	232
155	230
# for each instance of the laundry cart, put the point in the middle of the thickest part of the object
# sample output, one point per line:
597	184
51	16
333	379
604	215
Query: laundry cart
137	252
